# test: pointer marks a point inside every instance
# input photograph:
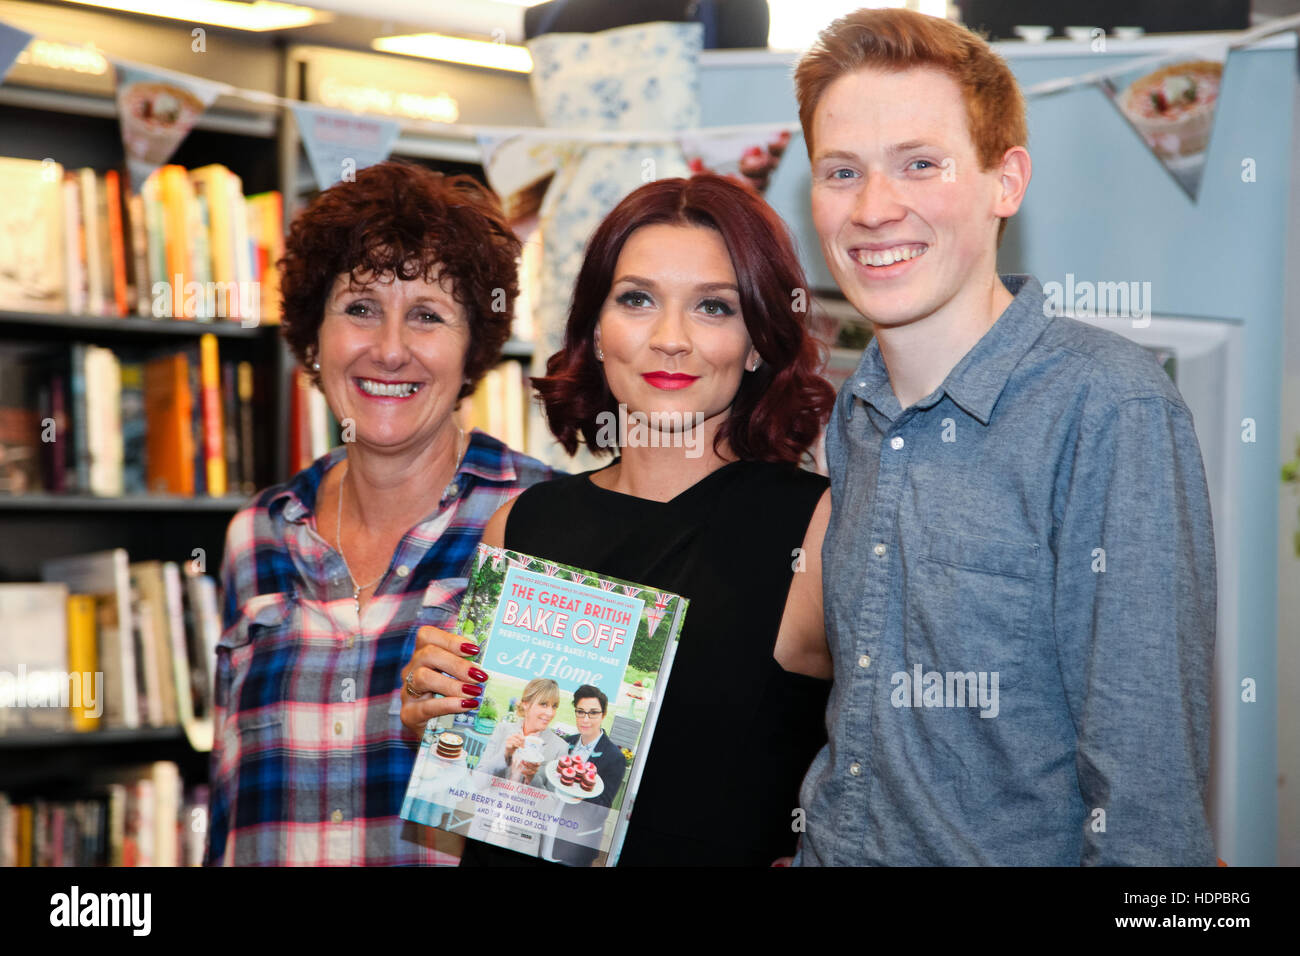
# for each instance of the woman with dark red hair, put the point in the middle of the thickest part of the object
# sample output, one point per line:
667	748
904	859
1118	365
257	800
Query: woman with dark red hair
686	353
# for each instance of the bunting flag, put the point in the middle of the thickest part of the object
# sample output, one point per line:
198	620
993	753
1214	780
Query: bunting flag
551	569
480	553
1172	109
157	109
748	157
12	42
338	144
496	560
608	585
631	590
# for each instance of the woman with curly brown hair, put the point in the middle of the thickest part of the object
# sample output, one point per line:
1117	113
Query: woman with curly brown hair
686	354
398	291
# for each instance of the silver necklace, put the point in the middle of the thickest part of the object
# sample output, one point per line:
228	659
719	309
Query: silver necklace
338	527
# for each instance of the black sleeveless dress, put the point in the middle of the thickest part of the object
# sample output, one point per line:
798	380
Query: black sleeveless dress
736	732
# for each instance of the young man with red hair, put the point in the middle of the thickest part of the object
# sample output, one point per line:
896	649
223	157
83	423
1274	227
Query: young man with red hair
1019	566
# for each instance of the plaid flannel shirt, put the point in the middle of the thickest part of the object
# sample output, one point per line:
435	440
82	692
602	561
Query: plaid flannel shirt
310	761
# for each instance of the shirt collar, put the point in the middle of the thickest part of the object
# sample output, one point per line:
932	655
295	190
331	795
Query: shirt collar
975	382
485	458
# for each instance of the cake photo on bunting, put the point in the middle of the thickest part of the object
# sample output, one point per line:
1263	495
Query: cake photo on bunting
749	157
157	111
1172	108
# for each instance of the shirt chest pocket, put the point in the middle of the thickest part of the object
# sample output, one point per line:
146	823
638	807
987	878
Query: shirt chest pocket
256	658
439	606
967	606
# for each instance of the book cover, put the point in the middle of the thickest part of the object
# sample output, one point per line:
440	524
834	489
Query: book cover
31	236
518	773
213	429
106	575
35	689
169	436
116	241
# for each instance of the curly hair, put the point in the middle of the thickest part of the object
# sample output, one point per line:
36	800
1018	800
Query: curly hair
779	409
404	220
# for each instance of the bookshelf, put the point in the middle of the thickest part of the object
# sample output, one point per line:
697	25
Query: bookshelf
59	772
73	120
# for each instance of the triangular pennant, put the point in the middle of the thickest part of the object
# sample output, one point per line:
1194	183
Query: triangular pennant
157	110
750	158
338	144
481	553
12	42
631	590
1172	108
653	617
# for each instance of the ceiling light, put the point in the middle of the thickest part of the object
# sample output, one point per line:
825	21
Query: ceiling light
259	15
437	46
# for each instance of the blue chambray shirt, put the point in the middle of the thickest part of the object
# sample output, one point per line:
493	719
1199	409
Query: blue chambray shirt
999	698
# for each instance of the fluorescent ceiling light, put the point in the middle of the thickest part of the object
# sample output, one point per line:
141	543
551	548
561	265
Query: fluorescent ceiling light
437	46
258	16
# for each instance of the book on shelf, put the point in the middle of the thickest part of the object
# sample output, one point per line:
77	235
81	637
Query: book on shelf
134	816
32	247
499	404
191	245
548	788
140	638
35	694
86	419
105	576
21	450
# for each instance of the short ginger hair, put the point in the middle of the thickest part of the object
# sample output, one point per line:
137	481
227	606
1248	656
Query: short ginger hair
897	40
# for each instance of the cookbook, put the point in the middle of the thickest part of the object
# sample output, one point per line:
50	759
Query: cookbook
549	763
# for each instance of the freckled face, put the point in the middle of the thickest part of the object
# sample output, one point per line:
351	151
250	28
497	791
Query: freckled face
905	216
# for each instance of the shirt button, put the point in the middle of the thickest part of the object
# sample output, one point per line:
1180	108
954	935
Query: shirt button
452	490
403	570
880	550
336	816
896	442
338	727
854	768
347	642
864	660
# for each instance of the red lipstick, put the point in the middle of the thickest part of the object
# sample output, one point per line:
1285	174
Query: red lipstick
669	381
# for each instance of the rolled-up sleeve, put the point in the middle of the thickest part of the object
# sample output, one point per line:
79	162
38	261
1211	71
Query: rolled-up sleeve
1134	618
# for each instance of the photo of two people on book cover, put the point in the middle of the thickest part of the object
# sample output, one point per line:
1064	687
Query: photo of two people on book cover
579	662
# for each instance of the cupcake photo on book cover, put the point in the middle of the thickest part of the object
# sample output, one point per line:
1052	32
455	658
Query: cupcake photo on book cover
549	763
1172	109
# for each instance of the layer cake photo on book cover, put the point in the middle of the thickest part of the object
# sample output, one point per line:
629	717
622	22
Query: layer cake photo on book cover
533	769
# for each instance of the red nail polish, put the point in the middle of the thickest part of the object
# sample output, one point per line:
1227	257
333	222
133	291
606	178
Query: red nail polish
473	690
469	703
477	675
468	648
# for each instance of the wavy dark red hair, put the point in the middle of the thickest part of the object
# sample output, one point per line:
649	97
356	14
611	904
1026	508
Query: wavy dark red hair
780	409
